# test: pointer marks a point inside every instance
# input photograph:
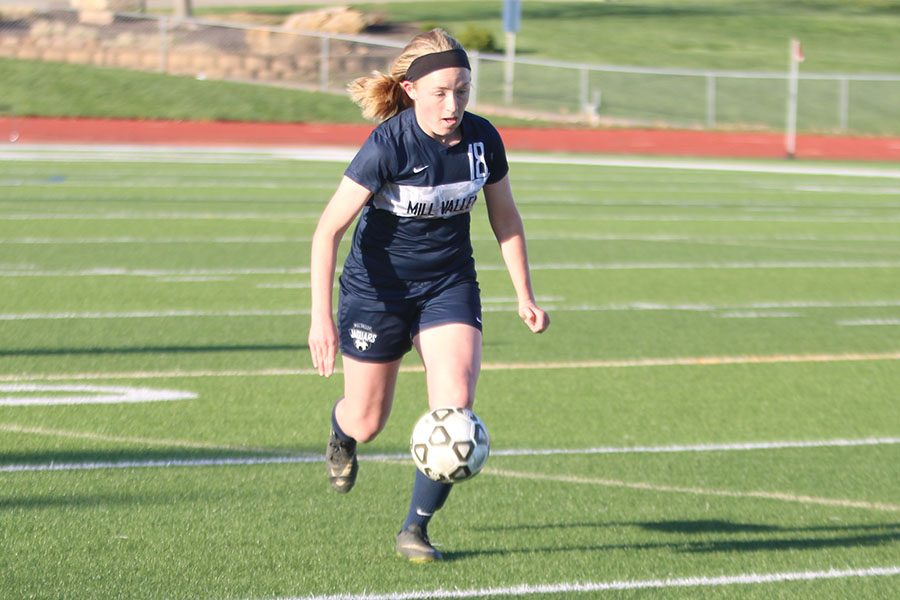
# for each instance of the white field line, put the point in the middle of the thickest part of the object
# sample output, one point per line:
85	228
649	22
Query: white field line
404	458
845	189
149	314
697	491
70	184
216	154
714	265
681	448
176	154
150	272
757	315
490	304
842	219
705	165
685	361
583	237
23	394
611	266
141	441
567	588
241	240
527	214
162	216
868	322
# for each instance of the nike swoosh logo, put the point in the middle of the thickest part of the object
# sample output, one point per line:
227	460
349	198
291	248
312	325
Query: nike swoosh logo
420	169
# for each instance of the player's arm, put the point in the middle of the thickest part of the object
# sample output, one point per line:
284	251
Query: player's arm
510	233
339	213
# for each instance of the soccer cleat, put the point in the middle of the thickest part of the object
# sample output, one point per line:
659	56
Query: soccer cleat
341	464
413	545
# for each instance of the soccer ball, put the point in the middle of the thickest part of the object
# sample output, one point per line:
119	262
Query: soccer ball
450	444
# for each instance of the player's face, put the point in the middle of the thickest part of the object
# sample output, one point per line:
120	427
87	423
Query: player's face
440	99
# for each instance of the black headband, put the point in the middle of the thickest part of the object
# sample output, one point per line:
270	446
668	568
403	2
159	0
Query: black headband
427	63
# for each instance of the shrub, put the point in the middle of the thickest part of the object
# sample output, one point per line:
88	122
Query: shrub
473	37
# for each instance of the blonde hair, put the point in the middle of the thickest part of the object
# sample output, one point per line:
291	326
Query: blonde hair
380	95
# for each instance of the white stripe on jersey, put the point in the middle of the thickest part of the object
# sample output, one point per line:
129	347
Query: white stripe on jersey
424	202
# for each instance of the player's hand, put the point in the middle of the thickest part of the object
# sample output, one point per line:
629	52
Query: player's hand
534	317
323	345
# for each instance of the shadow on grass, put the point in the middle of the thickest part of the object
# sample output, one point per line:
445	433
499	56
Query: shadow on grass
70	499
788	539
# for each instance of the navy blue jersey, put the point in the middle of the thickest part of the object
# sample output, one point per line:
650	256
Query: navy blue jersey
414	230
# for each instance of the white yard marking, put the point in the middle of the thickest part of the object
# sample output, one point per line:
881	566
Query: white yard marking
151	272
846	189
161	216
491	304
29	394
527	589
141	441
868	322
149	314
405	457
236	154
701	218
755	314
162	463
610	266
536	216
195	279
283	286
696	361
679	448
582	237
714	265
705	165
684	361
86	241
698	491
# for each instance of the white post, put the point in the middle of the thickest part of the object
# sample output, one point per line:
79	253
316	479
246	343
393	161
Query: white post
163	45
324	60
508	72
844	103
790	138
584	91
710	101
475	61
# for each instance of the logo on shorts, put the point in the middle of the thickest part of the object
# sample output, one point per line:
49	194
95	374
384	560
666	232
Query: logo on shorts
362	336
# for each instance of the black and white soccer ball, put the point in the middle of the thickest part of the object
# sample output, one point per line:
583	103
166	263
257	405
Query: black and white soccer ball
450	445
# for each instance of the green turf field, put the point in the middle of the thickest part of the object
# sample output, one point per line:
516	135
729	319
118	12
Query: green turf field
713	412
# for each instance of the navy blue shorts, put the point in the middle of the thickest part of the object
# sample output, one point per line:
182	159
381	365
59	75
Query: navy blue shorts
379	331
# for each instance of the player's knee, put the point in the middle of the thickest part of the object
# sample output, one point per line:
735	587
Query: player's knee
367	426
450	397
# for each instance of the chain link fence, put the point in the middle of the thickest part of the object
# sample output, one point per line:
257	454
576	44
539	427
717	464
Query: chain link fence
548	90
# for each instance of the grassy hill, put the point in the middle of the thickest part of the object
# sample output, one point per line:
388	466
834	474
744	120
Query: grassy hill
838	36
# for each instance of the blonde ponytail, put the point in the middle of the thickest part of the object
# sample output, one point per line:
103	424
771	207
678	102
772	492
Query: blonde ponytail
380	95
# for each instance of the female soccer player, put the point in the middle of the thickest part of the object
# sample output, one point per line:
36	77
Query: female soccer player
409	279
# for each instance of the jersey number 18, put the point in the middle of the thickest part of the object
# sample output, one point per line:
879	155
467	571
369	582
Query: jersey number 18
477	164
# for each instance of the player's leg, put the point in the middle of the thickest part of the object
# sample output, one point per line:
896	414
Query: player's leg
368	397
449	342
452	357
374	337
358	417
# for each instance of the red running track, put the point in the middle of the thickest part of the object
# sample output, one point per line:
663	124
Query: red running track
601	141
